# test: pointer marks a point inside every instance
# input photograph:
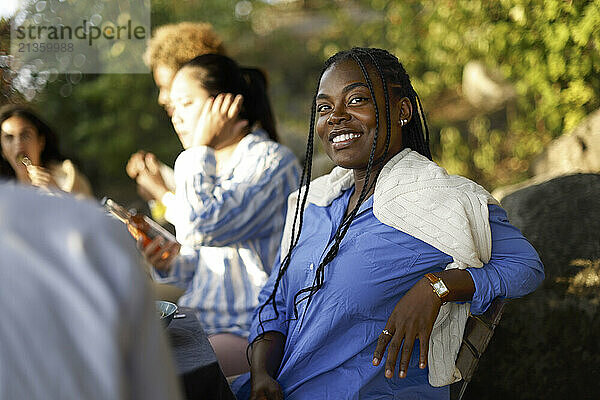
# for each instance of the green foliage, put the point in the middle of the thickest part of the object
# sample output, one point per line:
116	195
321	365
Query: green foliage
114	116
103	119
6	91
547	49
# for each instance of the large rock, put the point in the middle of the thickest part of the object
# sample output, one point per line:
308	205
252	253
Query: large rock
575	152
547	345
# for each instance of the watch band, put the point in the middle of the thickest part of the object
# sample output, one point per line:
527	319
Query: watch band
438	286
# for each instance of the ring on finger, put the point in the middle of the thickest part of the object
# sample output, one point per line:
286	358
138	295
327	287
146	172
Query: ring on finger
386	332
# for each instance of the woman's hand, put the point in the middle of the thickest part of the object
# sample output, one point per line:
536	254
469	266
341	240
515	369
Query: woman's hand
267	354
135	164
412	318
218	125
145	169
150	179
160	253
265	388
40	177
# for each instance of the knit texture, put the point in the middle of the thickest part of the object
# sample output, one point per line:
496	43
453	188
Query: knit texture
448	212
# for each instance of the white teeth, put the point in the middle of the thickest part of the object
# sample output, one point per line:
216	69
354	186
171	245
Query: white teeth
345	137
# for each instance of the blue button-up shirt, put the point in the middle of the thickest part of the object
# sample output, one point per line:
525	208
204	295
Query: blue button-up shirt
329	348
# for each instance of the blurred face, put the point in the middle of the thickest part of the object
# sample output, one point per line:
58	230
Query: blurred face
163	77
187	99
18	137
346	121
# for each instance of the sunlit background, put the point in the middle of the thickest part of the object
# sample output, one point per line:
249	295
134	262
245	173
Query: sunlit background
500	80
8	7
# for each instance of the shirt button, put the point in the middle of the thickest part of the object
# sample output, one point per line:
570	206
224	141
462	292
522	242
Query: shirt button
311	266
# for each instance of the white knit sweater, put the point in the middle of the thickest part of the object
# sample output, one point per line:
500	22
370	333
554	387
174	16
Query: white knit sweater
449	212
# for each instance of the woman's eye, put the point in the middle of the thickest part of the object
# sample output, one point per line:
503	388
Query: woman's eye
322	107
181	102
358	100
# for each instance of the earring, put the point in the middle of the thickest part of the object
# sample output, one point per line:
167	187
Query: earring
403	122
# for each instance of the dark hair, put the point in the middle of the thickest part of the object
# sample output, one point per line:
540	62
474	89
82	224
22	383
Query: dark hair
415	135
220	74
50	151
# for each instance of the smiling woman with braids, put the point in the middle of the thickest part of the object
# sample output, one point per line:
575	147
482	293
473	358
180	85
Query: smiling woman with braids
364	247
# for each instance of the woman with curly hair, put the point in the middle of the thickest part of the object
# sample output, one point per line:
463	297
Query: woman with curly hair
170	47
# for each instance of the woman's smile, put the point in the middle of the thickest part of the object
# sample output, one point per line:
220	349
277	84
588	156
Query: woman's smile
341	138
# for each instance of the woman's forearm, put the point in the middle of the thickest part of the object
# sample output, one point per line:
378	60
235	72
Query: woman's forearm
459	283
267	353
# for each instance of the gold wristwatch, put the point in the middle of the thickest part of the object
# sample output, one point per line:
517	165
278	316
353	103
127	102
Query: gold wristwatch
438	285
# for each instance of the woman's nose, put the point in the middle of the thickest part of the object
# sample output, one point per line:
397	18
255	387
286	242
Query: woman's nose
164	97
337	116
175	117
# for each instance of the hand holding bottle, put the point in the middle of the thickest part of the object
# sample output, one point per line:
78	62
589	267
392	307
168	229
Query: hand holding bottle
39	176
159	252
157	245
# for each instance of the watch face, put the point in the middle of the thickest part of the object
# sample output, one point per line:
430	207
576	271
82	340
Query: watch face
440	288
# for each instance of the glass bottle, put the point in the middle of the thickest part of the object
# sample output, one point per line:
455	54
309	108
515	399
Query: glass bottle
140	226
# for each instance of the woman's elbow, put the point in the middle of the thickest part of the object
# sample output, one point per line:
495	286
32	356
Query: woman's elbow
532	277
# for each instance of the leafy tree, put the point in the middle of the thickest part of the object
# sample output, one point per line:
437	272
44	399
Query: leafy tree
547	49
105	118
7	92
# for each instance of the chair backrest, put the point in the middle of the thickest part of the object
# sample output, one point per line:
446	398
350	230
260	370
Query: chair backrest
478	332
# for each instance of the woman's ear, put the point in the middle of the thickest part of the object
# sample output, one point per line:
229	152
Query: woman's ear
405	111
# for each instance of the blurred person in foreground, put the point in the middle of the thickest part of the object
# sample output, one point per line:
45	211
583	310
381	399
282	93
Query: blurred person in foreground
232	183
170	47
388	251
78	318
30	154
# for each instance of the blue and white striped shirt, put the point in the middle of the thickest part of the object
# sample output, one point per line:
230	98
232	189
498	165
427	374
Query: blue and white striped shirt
229	223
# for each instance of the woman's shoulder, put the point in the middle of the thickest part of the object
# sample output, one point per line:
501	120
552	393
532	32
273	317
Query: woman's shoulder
259	143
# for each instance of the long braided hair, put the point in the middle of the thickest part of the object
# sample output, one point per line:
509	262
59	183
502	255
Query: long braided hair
415	135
